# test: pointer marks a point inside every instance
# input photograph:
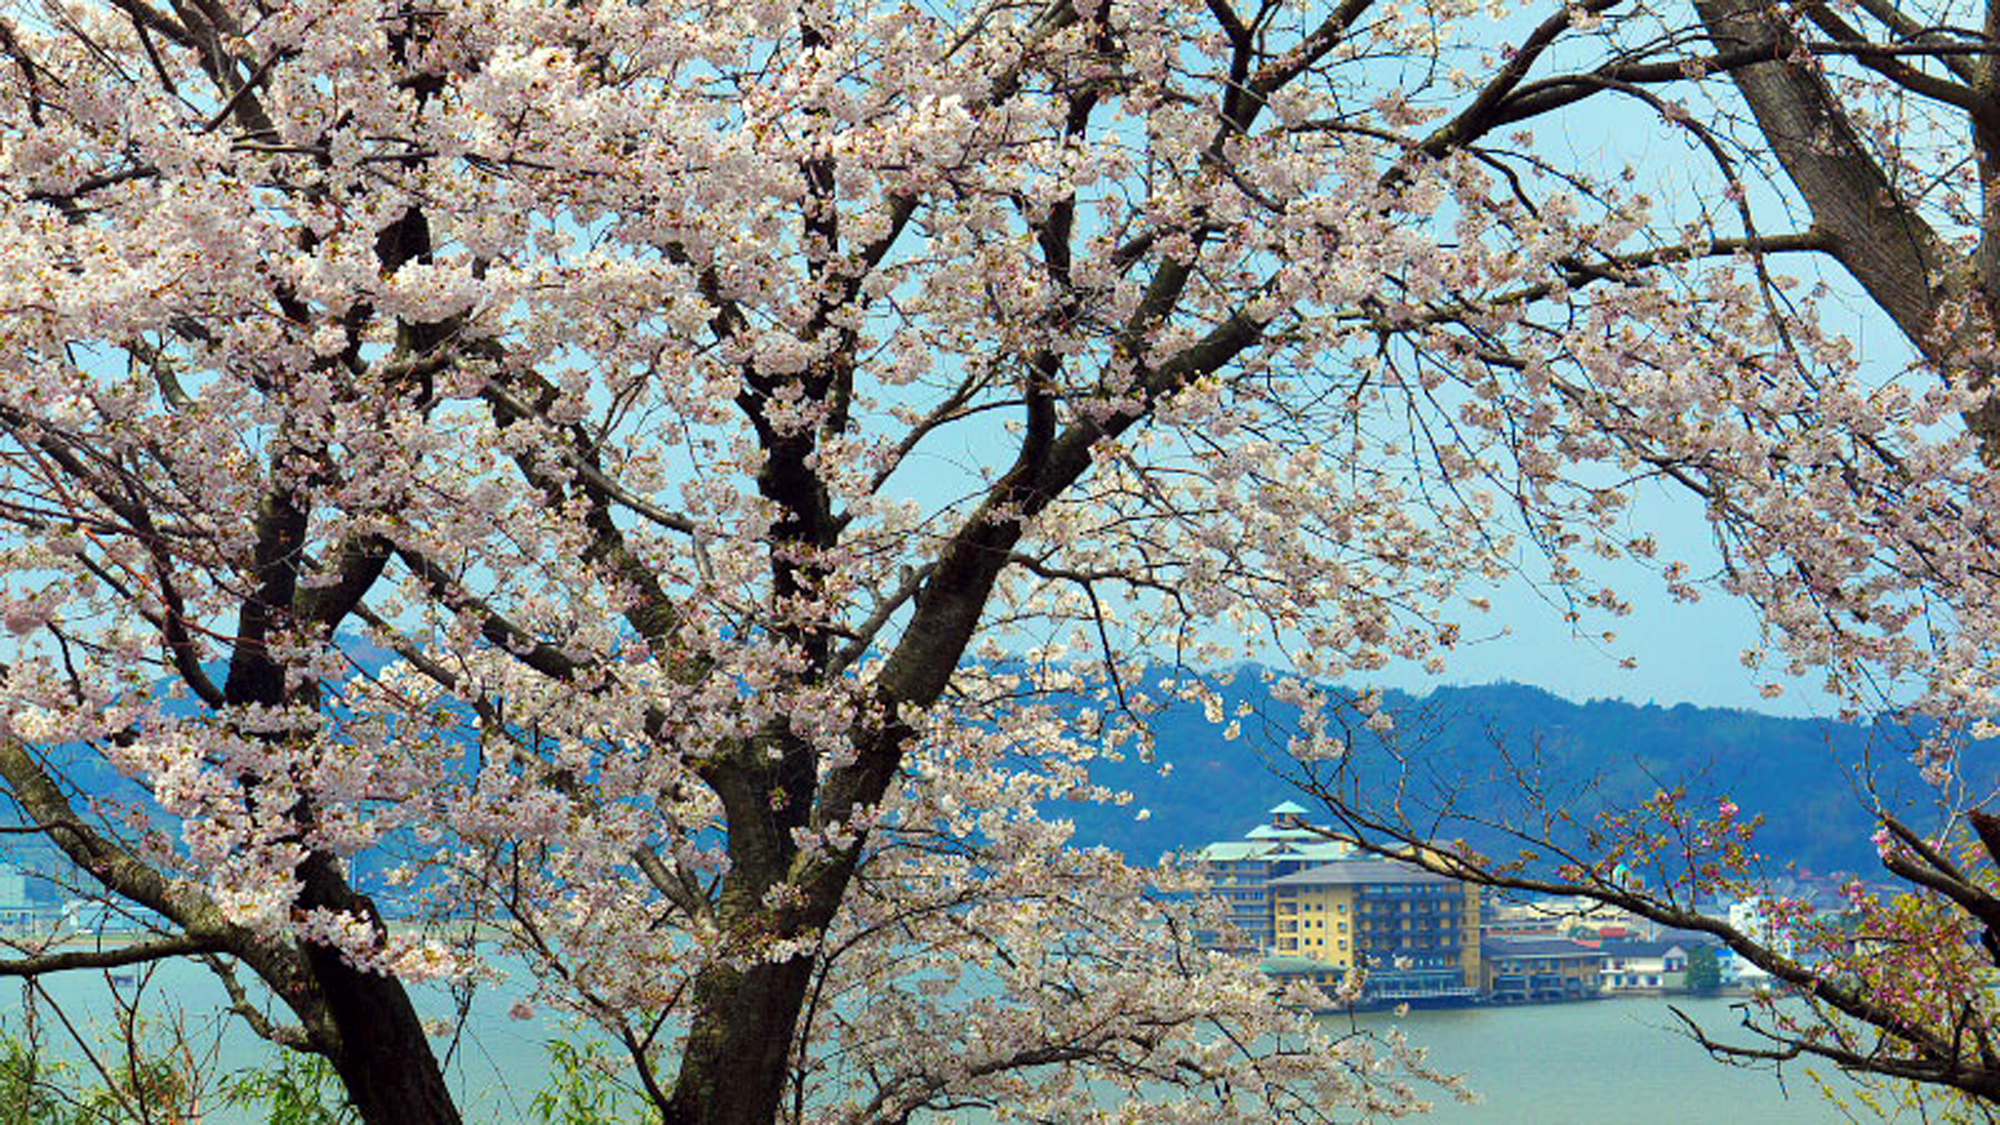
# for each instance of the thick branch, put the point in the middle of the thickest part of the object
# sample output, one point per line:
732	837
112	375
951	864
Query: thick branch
182	945
516	641
1480	114
1890	64
124	874
1916	34
1877	235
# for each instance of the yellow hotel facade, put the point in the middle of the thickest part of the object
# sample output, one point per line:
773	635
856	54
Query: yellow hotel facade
1317	910
1417	933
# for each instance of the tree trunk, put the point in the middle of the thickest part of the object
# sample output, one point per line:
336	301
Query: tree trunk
384	1059
1881	241
1877	235
733	1070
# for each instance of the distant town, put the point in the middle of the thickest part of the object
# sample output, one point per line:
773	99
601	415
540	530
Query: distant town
1315	910
37	902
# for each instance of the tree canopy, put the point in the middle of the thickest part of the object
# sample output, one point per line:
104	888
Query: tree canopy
737	419
1704	971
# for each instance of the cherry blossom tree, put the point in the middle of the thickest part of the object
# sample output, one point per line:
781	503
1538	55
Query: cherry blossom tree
770	443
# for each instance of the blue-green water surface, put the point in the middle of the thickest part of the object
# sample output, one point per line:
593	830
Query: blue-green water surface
1620	1061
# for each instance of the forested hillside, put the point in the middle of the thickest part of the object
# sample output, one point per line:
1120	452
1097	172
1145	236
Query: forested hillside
1476	743
1473	744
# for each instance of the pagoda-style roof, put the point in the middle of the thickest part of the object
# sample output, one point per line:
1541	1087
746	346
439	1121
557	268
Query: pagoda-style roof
1310	848
1275	832
1234	849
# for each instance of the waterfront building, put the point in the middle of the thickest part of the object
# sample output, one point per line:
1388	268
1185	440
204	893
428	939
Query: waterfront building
16	908
1521	970
1240	871
1752	918
1645	967
1316	909
1415	932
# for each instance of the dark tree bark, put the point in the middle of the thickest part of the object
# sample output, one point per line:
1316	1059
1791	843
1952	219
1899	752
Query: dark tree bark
1871	228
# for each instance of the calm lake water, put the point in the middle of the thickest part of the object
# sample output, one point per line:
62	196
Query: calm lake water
1619	1061
1624	1061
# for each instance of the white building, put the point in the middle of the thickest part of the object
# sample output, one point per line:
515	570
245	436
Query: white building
1747	917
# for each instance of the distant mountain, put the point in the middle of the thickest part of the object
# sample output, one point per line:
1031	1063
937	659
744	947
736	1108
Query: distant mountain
1471	745
1478	745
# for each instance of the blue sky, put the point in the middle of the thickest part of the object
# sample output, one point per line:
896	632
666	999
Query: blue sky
1684	652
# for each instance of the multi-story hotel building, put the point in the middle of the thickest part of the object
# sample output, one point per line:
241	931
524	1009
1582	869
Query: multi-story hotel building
1416	933
1320	910
1240	873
